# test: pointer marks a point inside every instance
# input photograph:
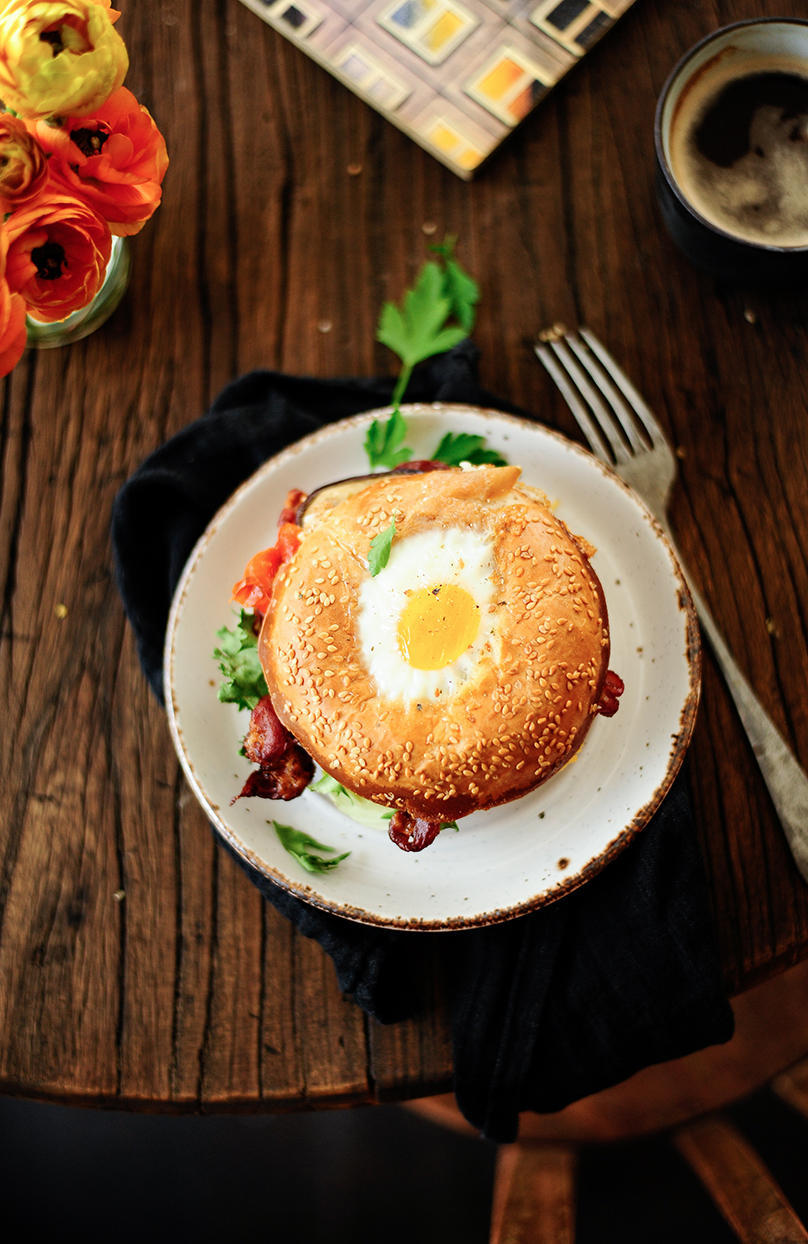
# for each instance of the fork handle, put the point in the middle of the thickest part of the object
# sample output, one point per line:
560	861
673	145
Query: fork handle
785	778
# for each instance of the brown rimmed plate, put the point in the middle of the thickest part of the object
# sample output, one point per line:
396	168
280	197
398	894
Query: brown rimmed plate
516	857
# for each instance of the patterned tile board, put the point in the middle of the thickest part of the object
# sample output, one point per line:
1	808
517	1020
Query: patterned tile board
456	75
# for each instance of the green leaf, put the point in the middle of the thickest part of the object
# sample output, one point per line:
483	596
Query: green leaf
367	813
410	331
463	447
302	848
358	809
463	293
244	683
379	554
418	329
462	290
327	785
383	443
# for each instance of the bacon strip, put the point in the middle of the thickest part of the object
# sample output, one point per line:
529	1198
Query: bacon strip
412	833
285	769
613	688
266	739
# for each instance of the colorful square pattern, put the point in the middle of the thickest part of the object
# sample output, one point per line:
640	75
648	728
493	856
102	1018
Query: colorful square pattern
455	75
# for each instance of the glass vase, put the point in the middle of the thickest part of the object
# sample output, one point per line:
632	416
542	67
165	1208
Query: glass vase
44	336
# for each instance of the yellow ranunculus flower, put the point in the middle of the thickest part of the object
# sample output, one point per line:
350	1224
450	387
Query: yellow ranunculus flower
23	163
59	59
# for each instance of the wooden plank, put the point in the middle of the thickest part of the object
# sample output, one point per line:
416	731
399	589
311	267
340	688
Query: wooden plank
257	155
738	1181
148	879
61	922
230	1056
216	238
792	1086
196	850
282	1076
415	1051
534	1194
330	1031
62	865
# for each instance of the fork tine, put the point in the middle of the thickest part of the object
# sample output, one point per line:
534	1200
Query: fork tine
605	418
573	400
638	405
612	395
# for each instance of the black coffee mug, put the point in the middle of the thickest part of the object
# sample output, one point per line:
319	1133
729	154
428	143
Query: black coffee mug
721	212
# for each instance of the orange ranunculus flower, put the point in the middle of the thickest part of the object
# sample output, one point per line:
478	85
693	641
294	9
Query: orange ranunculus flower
23	164
114	159
59	57
58	253
13	333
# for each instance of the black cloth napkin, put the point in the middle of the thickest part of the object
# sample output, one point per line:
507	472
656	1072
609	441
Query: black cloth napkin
546	1008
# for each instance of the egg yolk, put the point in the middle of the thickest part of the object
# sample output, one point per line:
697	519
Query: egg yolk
437	625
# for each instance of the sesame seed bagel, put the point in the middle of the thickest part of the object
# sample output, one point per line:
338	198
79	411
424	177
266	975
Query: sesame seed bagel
486	727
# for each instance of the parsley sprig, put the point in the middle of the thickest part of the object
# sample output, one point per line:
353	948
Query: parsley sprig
244	683
384	443
307	850
463	447
423	324
437	313
379	552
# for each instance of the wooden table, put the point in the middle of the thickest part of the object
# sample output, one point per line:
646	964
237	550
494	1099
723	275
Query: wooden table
291	211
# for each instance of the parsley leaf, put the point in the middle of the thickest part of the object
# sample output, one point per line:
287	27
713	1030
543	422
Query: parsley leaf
462	290
244	682
379	554
420	327
463	447
302	848
383	442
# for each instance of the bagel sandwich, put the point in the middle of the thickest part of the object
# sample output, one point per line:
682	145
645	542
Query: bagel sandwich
435	640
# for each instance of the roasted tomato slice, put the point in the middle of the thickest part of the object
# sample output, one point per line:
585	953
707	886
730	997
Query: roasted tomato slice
255	589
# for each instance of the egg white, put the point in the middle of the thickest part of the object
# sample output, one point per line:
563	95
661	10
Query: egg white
451	556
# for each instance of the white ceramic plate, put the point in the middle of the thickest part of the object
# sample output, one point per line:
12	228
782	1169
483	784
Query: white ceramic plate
518	856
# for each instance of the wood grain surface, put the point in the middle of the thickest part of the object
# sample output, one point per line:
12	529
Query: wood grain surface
740	1184
138	967
534	1194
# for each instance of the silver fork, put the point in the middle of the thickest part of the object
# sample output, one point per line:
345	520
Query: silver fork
602	399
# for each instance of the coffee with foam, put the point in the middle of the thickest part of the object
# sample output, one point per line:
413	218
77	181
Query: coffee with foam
738	145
